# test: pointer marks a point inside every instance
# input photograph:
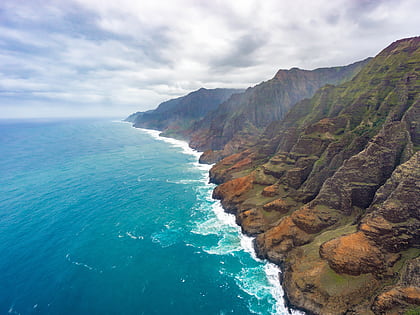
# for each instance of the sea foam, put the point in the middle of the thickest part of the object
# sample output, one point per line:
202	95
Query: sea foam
232	240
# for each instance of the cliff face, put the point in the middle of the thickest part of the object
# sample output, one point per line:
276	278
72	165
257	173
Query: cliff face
332	191
241	119
173	117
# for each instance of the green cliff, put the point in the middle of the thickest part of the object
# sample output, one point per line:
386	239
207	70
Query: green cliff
332	192
175	116
243	117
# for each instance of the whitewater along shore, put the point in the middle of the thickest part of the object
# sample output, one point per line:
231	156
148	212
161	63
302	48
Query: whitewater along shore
228	221
331	190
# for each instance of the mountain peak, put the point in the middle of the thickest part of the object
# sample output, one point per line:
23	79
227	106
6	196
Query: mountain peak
408	45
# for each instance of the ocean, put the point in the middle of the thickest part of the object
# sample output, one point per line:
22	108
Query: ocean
97	217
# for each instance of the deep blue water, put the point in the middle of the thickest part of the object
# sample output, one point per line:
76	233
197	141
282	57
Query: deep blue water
97	217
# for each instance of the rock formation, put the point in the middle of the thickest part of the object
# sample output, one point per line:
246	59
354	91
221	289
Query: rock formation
328	185
332	191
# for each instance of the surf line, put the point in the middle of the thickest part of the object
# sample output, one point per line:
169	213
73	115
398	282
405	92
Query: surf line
272	271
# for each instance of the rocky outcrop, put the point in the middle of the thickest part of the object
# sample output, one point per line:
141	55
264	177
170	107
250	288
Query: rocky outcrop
231	193
404	294
332	191
353	254
391	226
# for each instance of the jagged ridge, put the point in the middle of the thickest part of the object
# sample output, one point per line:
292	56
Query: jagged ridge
332	193
242	118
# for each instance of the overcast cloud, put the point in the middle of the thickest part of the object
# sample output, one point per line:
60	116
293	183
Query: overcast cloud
111	58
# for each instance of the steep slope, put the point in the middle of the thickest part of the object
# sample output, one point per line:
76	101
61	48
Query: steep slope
173	117
243	117
332	191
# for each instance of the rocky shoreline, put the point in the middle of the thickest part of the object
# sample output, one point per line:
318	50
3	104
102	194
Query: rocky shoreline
332	198
331	191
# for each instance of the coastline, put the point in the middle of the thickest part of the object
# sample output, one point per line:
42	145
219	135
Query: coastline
273	272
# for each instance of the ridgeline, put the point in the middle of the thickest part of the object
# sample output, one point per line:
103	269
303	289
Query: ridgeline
328	185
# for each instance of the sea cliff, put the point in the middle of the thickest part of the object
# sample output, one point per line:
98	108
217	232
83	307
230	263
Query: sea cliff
174	117
331	192
240	120
221	122
330	188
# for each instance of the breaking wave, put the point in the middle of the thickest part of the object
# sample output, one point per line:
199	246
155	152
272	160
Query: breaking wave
256	278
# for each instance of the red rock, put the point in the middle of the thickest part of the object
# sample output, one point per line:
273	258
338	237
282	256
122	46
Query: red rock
352	254
270	191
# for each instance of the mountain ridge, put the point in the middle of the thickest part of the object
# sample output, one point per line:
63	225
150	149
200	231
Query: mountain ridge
219	124
323	191
245	115
174	116
330	189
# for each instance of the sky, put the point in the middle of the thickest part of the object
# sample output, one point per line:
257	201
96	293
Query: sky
71	58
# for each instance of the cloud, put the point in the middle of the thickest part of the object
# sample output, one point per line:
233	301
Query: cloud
101	57
242	53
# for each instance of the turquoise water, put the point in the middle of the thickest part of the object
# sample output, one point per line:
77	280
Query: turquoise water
97	217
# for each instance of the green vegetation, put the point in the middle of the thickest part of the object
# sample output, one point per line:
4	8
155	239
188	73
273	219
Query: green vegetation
406	255
413	311
341	284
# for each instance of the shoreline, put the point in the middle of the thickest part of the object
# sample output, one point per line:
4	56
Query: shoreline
273	272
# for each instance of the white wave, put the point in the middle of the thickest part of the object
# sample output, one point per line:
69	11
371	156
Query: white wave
77	263
121	122
227	218
12	310
141	179
247	243
229	244
249	280
209	227
174	142
183	181
151	132
224	224
166	237
134	237
273	276
218	222
202	167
